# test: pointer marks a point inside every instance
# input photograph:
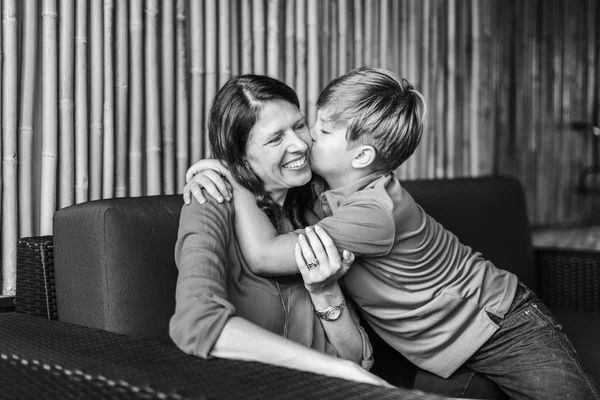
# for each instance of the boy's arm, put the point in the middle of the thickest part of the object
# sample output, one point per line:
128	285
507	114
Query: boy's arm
265	250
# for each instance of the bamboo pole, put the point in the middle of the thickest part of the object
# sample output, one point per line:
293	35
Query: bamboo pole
451	91
475	76
487	78
324	42
211	58
333	43
258	36
198	79
49	113
108	115
412	170
301	55
359	46
96	106
153	117
439	156
66	101
290	47
343	17
136	100
121	98
425	88
81	104
224	42
10	223
182	102
168	92
313	59
371	45
384	33
273	56
247	42
26	117
235	37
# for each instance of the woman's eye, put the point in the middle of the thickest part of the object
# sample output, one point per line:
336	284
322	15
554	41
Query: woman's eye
300	127
275	140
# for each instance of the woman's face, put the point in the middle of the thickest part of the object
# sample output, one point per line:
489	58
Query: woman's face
278	148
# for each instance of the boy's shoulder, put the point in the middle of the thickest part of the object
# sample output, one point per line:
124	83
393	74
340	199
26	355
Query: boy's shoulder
384	189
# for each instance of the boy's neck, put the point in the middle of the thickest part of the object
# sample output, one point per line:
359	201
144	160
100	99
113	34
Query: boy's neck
337	181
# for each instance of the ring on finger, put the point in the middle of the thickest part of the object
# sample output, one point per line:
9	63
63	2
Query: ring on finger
313	264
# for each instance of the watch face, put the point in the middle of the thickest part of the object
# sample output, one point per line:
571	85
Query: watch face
334	313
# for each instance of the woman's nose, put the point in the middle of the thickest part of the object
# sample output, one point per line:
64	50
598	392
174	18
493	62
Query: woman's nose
297	143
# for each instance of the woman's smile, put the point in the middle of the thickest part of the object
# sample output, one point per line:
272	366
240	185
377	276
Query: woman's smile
297	163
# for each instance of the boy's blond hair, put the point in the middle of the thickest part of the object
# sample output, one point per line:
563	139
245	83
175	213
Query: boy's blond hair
380	110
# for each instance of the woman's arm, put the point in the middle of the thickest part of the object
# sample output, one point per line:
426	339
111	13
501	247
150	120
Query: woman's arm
204	322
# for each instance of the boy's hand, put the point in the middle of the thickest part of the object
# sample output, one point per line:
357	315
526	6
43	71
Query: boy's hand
214	184
319	261
210	175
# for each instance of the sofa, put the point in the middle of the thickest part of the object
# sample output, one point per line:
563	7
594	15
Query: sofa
104	285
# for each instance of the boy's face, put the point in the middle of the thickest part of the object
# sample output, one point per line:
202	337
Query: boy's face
331	156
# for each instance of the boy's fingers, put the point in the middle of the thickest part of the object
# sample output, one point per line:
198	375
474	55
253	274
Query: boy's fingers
348	257
189	174
197	192
187	195
218	182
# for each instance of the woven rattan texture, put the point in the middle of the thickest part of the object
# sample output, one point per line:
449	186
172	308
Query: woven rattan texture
48	359
36	292
569	279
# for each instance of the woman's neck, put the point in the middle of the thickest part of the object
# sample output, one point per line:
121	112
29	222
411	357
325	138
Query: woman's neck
279	196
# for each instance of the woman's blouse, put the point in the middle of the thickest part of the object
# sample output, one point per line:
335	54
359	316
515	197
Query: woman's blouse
214	283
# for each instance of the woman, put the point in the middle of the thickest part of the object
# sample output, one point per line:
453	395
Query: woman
224	310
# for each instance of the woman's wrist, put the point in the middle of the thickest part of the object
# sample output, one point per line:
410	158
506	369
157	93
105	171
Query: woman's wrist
331	296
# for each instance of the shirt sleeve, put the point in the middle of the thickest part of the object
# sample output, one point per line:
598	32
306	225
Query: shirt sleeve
202	307
363	227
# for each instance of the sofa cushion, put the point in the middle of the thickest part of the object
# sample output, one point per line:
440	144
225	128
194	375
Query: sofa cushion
114	264
489	214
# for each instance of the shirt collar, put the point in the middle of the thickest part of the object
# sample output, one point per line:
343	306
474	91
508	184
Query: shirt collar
335	197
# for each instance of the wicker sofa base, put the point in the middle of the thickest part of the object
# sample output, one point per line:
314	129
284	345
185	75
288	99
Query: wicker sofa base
39	357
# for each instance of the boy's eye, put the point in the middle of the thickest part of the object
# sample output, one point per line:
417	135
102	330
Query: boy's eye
324	132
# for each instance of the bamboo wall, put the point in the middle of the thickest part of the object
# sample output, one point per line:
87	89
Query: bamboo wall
108	98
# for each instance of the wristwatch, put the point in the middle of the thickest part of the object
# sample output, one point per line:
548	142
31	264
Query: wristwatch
331	313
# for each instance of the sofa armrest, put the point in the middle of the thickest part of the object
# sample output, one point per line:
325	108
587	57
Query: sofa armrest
36	290
569	279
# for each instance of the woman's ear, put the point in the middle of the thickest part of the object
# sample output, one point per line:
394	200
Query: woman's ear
364	157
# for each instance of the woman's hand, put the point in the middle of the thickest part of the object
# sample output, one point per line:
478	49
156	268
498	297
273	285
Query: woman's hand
210	175
319	261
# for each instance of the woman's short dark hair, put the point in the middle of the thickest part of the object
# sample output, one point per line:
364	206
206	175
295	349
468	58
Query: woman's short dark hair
234	111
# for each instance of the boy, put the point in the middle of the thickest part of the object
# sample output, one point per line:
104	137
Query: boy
430	297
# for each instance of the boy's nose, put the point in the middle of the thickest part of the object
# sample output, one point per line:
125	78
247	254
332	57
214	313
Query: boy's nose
313	134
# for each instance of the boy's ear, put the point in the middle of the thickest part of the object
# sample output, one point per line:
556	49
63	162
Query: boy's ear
364	157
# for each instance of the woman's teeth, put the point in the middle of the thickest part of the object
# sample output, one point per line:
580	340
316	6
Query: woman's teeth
296	164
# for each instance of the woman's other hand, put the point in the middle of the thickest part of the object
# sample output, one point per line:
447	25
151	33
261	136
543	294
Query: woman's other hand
319	261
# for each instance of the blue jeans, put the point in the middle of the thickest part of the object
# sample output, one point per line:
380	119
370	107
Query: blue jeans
528	357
